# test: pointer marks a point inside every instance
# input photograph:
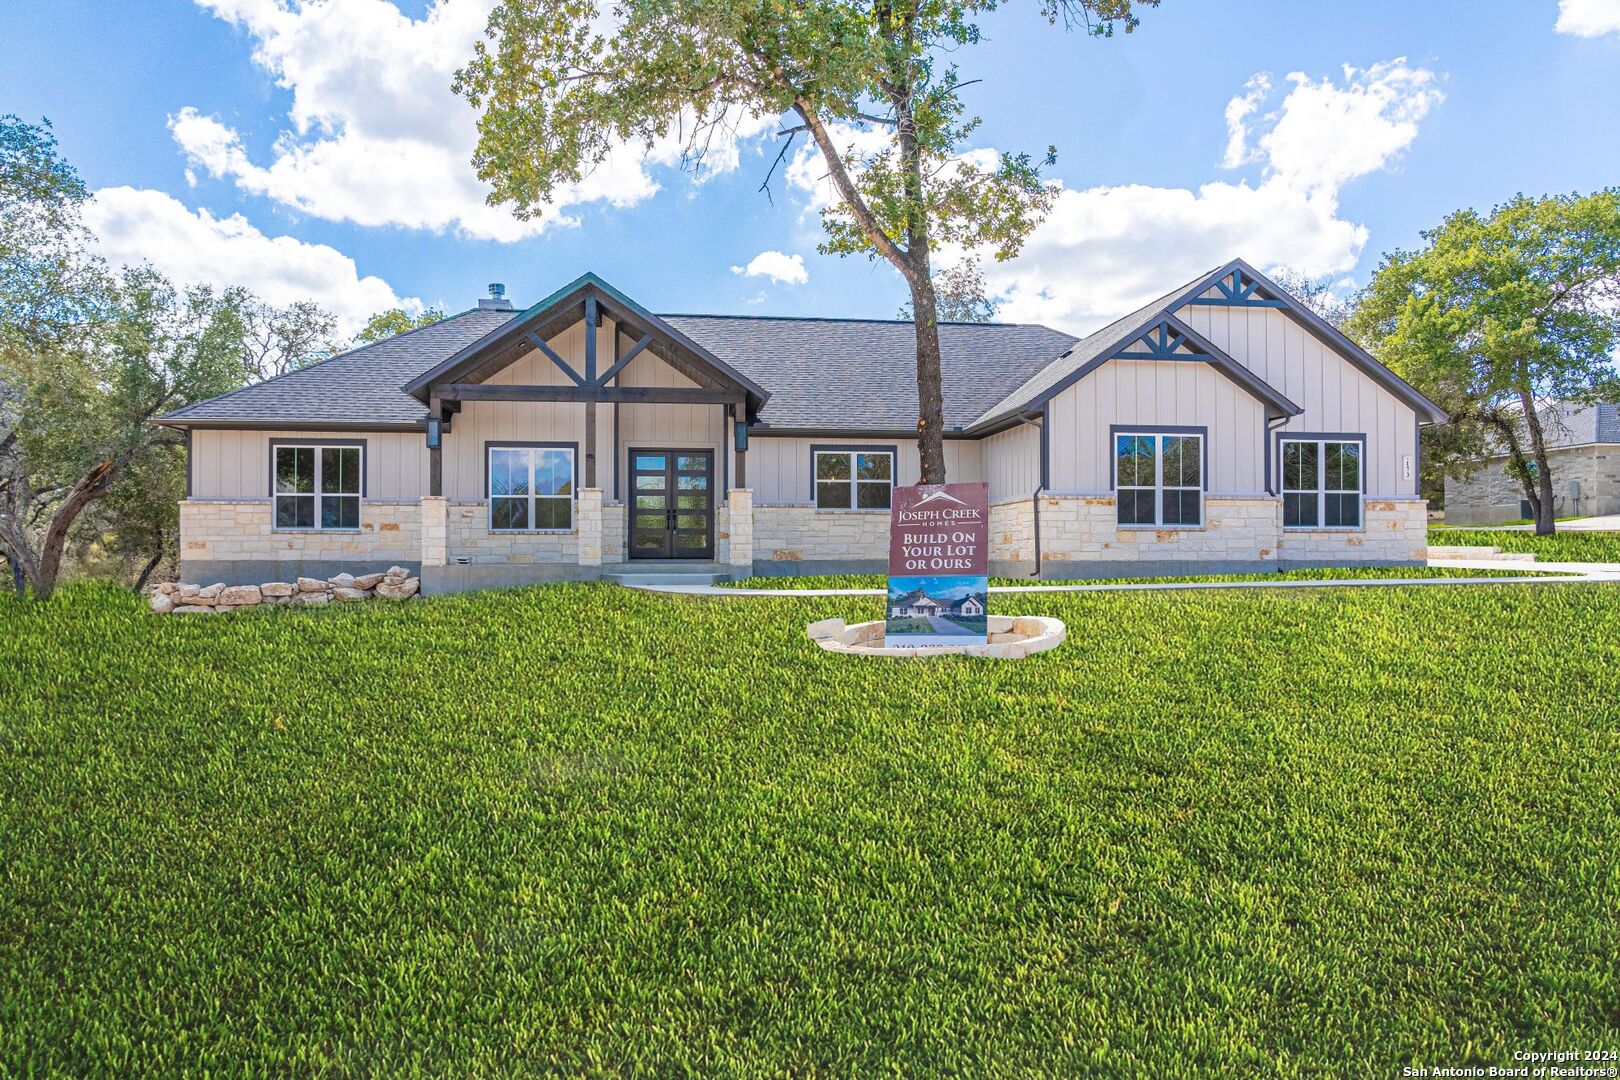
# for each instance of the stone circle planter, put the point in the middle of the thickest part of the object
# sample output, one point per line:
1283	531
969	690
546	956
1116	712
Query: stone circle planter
1011	638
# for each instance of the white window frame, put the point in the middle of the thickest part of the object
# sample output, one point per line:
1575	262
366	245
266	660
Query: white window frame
1159	487
532	451
1322	491
317	497
852	453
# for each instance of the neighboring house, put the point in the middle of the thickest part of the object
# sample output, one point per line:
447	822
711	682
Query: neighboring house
1583	454
915	602
1223	426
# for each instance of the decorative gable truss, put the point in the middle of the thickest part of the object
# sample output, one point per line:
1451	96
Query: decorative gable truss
1162	342
1238	289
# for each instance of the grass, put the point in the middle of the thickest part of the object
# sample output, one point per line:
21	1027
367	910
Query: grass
1565	546
580	829
877	581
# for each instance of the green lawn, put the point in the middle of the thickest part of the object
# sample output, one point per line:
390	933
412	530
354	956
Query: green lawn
582	829
1566	545
879	581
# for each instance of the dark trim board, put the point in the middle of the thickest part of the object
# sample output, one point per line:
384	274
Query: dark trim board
629	395
1116	430
415	426
1280	437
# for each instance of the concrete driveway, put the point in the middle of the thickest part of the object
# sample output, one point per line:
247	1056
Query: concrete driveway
1606	523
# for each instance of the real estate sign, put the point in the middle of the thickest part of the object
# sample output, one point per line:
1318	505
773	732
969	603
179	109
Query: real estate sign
939	566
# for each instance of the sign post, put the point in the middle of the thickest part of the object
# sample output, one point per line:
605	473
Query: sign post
939	566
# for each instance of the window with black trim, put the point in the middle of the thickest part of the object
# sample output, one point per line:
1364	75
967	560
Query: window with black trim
1159	478
317	487
531	488
1321	484
854	479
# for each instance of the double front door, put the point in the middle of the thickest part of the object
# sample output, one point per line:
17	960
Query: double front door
671	504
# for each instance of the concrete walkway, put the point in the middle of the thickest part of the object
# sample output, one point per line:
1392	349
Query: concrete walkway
1567	573
1604	523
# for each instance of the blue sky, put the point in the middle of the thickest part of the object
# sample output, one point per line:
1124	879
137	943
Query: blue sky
313	149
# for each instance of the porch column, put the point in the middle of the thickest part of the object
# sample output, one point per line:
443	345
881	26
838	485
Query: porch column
435	530
590	526
740	525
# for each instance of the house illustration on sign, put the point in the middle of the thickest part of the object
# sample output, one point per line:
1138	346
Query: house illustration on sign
918	602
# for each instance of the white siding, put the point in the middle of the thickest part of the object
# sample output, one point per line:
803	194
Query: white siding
228	464
1176	393
779	467
1012	463
1335	394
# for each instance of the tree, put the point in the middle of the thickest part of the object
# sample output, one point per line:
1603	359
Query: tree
85	409
1316	294
960	292
870	83
1499	315
276	340
396	321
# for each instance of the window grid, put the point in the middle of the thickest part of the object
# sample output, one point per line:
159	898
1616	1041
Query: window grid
316	486
1321	483
530	488
1159	479
854	479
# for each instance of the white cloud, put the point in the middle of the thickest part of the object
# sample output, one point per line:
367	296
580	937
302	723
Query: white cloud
134	226
1104	251
780	268
377	136
1588	18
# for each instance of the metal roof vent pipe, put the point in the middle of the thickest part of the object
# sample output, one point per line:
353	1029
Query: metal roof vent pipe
496	300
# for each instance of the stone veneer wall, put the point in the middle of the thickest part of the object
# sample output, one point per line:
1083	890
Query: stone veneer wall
1490	496
470	537
230	531
1080	537
795	539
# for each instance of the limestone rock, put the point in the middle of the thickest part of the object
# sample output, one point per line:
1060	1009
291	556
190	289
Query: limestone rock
367	581
311	585
826	628
212	592
341	581
272	589
186	592
402	590
167	587
343	592
194	609
397	573
240	596
161	604
313	598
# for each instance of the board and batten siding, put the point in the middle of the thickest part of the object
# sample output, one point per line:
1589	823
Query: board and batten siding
235	464
1012	463
779	466
663	425
1335	394
1174	393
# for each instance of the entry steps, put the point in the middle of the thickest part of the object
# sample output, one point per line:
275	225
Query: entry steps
671	572
1490	554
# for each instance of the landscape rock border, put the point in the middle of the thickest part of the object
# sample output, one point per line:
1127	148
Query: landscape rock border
1011	638
179	598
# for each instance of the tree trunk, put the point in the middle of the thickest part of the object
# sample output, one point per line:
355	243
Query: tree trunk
930	392
151	565
1543	502
88	489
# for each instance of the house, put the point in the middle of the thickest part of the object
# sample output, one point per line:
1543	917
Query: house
969	607
1223	426
915	602
1583	455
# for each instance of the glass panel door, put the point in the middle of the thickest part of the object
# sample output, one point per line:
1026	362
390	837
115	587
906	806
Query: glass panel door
671	504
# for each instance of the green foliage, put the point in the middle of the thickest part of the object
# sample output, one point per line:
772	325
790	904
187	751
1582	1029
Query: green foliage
1497	315
47	284
396	321
1601	547
583	830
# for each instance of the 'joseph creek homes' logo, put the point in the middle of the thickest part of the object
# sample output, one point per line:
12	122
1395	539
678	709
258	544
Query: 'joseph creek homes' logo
939	546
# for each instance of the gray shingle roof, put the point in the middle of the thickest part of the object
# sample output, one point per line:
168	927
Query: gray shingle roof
862	374
361	386
821	373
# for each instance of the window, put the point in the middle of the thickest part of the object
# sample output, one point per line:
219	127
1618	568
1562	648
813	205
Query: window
1159	478
854	479
531	488
1321	484
315	486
